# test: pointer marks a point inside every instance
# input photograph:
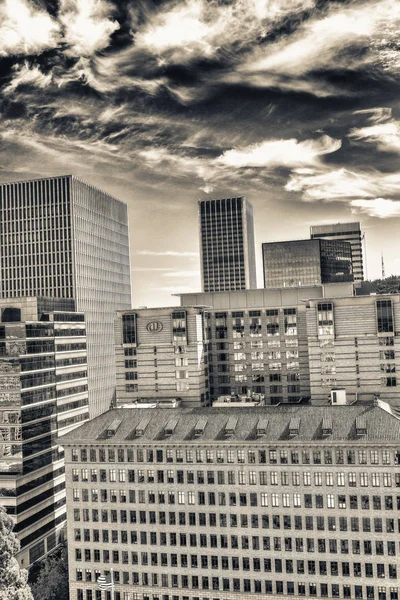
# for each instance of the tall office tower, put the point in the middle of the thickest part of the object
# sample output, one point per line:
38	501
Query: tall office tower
63	238
43	394
350	232
161	354
228	259
306	262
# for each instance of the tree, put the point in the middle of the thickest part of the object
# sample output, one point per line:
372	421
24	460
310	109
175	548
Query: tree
13	580
52	580
389	285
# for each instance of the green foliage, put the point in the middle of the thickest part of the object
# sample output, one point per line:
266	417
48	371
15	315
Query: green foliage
389	285
52	580
13	580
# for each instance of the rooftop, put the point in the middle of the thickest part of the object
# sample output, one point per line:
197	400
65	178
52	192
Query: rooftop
262	423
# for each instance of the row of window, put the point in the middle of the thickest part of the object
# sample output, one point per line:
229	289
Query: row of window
286	522
235	563
272	456
246	542
290	588
283	478
357	592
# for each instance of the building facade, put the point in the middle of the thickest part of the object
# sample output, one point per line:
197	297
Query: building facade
353	343
258	342
63	238
218	504
43	394
161	353
350	232
295	343
306	262
227	246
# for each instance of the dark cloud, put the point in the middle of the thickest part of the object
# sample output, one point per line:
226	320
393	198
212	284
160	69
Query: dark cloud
119	81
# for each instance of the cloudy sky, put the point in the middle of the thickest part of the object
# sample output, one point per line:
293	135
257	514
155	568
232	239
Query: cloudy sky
293	103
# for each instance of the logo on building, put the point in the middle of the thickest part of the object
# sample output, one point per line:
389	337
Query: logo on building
154	327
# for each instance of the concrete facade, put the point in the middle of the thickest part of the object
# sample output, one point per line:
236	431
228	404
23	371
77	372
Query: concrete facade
218	504
161	353
258	341
352	346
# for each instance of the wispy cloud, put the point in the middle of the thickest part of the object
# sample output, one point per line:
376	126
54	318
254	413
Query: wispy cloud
275	153
198	28
25	29
382	208
384	132
324	42
27	75
87	25
343	185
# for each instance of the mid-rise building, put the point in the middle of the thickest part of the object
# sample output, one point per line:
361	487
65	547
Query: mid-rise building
63	238
354	343
227	247
350	232
296	343
217	504
258	342
43	394
161	353
306	262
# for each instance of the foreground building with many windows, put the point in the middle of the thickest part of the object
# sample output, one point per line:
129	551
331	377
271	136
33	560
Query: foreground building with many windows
218	504
43	394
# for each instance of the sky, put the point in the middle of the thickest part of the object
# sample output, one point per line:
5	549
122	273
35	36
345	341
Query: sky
293	103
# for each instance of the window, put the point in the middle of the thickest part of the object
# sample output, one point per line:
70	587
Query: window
384	316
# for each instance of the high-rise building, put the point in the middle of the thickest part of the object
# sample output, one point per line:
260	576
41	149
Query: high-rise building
43	394
270	502
306	262
63	238
350	232
161	353
227	245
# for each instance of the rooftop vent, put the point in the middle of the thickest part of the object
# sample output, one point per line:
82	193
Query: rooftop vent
112	428
170	427
327	426
199	427
294	426
361	426
230	427
262	425
141	427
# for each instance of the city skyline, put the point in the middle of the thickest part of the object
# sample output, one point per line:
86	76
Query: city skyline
292	104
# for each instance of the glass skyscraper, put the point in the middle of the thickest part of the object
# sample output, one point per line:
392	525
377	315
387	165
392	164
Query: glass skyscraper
63	238
227	245
306	262
349	232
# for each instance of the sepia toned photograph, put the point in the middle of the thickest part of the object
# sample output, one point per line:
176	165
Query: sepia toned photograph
199	299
